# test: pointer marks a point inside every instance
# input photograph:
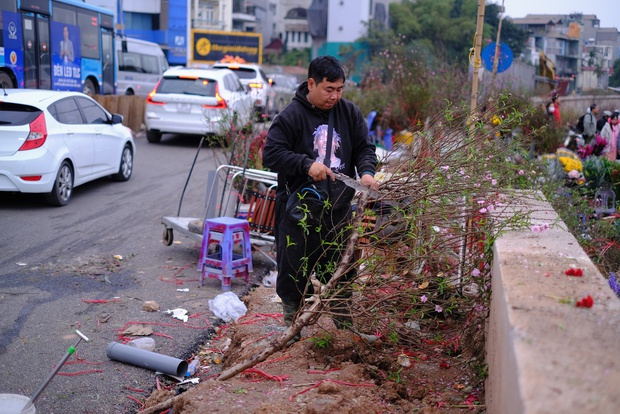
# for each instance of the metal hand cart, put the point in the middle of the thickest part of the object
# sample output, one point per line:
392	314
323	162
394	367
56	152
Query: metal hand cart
236	183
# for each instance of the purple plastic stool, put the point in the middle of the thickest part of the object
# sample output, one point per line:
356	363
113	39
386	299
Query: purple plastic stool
224	264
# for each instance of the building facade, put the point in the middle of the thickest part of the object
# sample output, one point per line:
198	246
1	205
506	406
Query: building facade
322	25
580	49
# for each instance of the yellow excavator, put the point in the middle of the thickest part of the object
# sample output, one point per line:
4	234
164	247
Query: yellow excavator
547	81
546	73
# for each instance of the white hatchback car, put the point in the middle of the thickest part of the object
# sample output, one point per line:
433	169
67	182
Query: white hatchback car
196	101
252	77
51	142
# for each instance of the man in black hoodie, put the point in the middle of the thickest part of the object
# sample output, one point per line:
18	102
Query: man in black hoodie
296	150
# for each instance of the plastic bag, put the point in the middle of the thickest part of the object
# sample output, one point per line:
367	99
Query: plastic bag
148	344
227	306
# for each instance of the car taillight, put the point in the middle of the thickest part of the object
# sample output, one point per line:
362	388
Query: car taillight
37	135
258	85
221	103
150	101
149	98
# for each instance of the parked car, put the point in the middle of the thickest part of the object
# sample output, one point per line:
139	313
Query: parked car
196	101
252	77
281	92
52	142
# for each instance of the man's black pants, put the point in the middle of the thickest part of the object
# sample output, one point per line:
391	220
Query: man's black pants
303	251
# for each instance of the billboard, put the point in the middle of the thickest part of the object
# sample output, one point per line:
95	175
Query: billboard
208	46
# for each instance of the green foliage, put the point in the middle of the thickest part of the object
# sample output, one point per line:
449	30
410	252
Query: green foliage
599	172
293	57
481	369
511	35
322	342
449	24
595	171
614	79
297	57
395	376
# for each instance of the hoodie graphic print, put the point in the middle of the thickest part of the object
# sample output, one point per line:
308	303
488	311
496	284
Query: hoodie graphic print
320	147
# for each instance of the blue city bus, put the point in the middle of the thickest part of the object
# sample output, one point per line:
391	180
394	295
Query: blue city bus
62	45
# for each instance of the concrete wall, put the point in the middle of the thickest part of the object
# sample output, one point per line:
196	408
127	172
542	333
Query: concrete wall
580	103
518	77
544	354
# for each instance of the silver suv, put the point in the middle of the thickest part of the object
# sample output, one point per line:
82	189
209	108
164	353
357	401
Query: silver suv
252	76
196	101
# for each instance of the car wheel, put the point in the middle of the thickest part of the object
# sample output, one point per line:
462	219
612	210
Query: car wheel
5	81
126	167
153	137
89	88
63	186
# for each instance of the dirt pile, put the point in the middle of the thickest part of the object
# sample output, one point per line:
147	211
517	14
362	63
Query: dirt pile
328	371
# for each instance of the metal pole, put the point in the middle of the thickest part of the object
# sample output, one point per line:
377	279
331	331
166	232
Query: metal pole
64	359
477	47
122	19
499	31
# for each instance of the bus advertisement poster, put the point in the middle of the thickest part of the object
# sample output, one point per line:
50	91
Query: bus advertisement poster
13	56
66	59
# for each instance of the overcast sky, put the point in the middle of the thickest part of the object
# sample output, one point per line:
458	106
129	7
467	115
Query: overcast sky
607	11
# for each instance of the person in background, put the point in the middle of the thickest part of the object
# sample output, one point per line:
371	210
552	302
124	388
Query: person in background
589	124
293	149
610	133
554	110
601	122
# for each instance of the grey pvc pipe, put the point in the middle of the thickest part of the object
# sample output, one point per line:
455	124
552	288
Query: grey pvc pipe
147	359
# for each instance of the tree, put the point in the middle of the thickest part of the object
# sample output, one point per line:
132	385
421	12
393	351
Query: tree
511	35
449	25
614	80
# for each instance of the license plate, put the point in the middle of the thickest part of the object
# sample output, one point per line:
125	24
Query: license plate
183	107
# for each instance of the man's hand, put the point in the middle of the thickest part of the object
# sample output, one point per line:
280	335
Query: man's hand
319	172
369	180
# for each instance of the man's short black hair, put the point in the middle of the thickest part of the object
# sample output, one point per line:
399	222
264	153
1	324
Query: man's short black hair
593	106
326	67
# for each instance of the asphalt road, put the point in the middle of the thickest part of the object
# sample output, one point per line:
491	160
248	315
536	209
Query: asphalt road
55	261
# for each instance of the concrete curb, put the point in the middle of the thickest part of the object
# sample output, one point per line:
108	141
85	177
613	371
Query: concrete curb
544	354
